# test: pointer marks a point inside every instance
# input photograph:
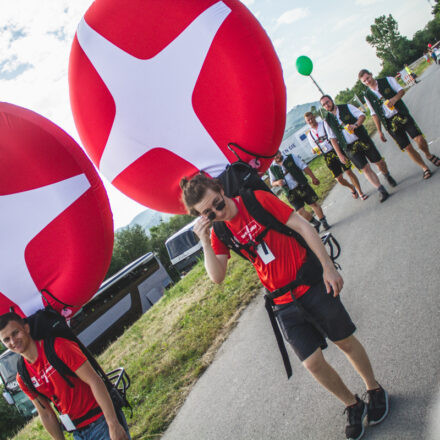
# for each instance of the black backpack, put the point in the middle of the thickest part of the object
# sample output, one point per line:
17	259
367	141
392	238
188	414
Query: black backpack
47	325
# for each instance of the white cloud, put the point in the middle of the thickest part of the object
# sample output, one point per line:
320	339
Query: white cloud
344	22
293	15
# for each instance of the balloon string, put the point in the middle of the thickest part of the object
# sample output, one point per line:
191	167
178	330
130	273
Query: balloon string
53	297
258	156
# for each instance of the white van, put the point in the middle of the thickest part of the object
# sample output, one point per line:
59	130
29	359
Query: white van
184	248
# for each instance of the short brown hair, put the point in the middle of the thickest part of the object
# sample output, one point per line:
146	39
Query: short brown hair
363	72
326	96
308	114
194	190
8	317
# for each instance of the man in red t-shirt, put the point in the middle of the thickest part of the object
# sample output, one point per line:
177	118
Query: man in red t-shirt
277	265
87	405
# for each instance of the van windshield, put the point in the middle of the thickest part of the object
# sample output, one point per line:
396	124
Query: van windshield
182	243
8	367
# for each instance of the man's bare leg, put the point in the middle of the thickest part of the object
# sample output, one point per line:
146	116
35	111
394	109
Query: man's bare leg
382	166
358	357
415	156
317	210
328	377
303	213
340	179
355	181
371	176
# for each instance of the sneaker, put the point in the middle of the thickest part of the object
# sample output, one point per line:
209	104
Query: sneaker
317	226
378	405
324	224
383	195
390	180
355	420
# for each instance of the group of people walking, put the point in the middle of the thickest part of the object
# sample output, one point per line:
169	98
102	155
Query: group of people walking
343	140
301	281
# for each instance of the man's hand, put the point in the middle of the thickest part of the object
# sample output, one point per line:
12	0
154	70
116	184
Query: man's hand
315	181
382	136
352	128
332	280
117	432
391	102
201	229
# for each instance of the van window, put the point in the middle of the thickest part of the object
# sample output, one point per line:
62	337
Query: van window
182	243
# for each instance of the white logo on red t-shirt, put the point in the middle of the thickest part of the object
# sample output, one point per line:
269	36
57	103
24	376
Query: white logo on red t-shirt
250	231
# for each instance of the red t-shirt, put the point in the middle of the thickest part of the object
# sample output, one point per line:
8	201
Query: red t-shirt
75	402
289	255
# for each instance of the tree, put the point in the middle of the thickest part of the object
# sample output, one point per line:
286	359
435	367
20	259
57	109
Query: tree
385	37
436	8
344	96
130	244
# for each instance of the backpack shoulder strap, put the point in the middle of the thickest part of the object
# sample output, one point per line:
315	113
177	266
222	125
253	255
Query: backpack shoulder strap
25	376
63	370
265	218
225	235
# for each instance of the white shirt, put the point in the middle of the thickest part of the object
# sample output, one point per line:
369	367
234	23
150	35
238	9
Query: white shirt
349	138
291	182
386	111
319	136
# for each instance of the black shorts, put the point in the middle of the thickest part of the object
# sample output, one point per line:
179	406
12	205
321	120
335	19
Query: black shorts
403	130
301	195
360	152
335	165
325	310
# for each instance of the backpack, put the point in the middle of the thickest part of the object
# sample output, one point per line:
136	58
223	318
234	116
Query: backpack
240	179
47	324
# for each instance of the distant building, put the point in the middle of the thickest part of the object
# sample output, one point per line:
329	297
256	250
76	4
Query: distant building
298	144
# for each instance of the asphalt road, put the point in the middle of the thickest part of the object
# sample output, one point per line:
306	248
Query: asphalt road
390	263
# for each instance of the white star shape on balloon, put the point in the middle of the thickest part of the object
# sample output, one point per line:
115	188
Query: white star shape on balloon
153	97
24	215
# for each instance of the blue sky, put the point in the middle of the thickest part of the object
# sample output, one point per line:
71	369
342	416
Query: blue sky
35	40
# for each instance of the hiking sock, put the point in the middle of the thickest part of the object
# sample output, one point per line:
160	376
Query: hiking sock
324	223
315	222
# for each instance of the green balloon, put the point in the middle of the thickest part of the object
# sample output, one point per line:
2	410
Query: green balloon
304	65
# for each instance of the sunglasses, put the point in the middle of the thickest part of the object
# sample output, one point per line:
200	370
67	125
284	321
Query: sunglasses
219	206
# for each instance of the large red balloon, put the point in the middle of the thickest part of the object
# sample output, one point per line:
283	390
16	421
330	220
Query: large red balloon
159	87
56	226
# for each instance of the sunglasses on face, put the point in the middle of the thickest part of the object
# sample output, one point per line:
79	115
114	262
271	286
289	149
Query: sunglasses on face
218	206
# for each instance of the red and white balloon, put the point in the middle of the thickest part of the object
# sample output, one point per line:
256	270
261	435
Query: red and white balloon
56	226
159	88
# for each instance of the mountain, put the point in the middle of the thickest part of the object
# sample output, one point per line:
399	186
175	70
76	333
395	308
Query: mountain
147	219
295	117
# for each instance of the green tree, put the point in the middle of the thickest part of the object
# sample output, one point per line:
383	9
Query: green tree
344	96
436	8
130	244
385	37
